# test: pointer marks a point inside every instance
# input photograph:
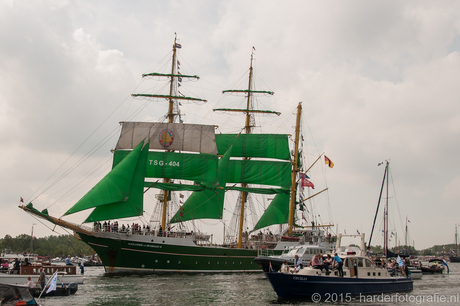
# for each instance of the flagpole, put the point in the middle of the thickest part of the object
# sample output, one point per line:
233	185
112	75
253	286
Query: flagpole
49	281
314	162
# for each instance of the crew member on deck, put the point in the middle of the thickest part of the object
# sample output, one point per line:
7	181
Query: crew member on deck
339	264
67	261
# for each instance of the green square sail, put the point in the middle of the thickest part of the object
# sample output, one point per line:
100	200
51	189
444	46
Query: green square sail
255	145
273	173
184	166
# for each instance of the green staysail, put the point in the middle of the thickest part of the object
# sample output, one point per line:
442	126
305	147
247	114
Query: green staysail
255	145
276	213
207	204
184	166
120	193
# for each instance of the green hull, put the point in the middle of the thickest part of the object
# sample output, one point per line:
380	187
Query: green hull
138	254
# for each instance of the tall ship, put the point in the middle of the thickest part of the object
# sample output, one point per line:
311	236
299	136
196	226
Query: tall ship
174	159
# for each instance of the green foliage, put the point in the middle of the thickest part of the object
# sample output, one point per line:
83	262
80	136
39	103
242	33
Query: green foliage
52	246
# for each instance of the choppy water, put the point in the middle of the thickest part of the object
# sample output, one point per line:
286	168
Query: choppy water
234	289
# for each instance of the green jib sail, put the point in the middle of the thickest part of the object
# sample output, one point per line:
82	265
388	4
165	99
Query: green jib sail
207	204
255	145
120	193
276	213
192	167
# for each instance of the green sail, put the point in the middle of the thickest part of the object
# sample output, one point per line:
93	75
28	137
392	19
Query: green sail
119	194
255	145
184	166
207	204
276	213
271	173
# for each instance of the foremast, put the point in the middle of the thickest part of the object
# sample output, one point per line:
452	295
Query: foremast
249	124
173	109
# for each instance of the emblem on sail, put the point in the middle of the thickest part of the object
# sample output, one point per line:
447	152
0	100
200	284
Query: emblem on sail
166	138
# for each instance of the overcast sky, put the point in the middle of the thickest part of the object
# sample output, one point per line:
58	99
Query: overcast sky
378	80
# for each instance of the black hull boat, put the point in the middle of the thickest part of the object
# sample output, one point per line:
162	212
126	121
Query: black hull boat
435	266
360	277
295	286
60	291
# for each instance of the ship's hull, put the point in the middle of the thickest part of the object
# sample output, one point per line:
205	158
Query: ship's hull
144	254
289	286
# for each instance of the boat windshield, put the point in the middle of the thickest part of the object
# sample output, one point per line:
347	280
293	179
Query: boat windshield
300	250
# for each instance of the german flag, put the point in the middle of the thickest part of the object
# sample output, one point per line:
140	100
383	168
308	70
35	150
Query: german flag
328	162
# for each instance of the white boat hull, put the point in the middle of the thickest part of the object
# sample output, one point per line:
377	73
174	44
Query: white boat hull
18	279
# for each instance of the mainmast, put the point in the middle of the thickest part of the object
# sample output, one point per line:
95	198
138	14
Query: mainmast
295	170
173	109
249	111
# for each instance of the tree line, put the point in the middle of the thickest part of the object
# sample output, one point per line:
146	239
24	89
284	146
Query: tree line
52	246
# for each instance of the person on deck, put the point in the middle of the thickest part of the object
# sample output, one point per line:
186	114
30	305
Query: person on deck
67	261
42	278
30	283
16	266
339	264
284	267
297	263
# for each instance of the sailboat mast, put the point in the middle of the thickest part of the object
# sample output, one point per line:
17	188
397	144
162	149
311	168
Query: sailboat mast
171	118
248	127
456	241
295	170
405	240
385	215
32	240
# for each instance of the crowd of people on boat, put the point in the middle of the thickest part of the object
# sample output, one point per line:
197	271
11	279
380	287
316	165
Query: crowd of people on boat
135	228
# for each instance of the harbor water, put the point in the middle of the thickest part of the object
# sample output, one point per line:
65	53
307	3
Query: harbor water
236	289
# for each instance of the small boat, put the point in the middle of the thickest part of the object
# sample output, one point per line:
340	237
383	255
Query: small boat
68	274
16	295
360	276
434	266
455	257
61	290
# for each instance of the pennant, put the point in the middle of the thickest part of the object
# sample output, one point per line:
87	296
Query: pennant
303	175
178	45
307	183
181	195
328	162
178	63
22	200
